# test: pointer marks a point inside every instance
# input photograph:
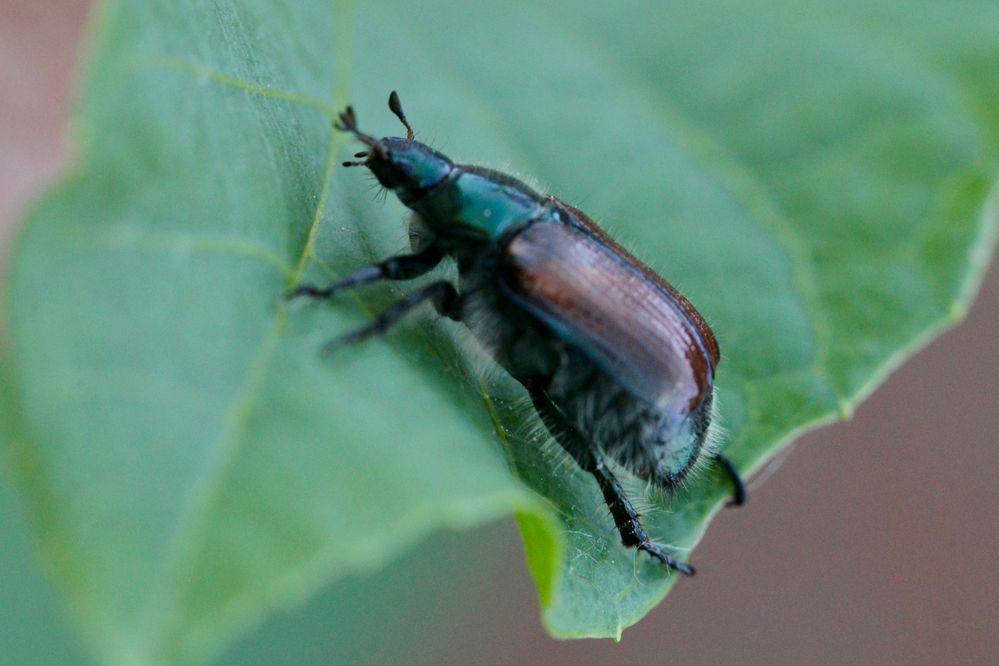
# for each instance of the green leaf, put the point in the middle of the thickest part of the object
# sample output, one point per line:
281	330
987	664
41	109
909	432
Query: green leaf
814	177
32	630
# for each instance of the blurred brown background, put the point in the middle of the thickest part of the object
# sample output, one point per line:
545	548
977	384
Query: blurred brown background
876	541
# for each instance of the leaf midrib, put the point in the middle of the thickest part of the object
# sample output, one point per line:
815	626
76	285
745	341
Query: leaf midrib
166	588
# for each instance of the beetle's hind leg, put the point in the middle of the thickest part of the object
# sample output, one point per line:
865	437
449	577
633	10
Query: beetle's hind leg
732	474
626	518
442	294
402	267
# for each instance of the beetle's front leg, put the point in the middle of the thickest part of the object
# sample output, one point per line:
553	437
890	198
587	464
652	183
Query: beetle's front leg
442	294
626	518
402	267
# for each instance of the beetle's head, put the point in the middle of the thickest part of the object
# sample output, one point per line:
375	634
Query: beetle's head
407	167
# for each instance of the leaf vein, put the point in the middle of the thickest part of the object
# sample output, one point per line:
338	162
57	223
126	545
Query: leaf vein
192	525
202	72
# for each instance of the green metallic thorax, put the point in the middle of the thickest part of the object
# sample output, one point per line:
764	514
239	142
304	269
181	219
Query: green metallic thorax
480	199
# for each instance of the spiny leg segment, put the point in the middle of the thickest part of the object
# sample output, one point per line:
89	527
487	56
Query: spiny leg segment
441	294
626	518
402	267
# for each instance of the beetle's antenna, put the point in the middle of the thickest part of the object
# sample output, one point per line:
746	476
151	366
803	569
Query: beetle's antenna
396	106
347	122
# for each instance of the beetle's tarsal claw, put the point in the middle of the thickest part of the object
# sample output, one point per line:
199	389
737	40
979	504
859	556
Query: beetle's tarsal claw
685	568
348	340
308	290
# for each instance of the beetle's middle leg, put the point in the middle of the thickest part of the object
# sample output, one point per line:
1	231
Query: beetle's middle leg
442	294
402	267
626	518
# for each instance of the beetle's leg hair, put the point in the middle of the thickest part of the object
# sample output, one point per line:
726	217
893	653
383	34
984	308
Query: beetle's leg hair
442	294
732	474
626	518
402	267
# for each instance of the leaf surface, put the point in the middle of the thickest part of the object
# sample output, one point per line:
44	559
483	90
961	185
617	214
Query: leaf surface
814	178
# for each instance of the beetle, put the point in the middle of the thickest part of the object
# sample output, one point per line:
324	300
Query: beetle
617	363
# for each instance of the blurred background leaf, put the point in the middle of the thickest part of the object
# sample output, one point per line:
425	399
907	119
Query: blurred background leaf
813	177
